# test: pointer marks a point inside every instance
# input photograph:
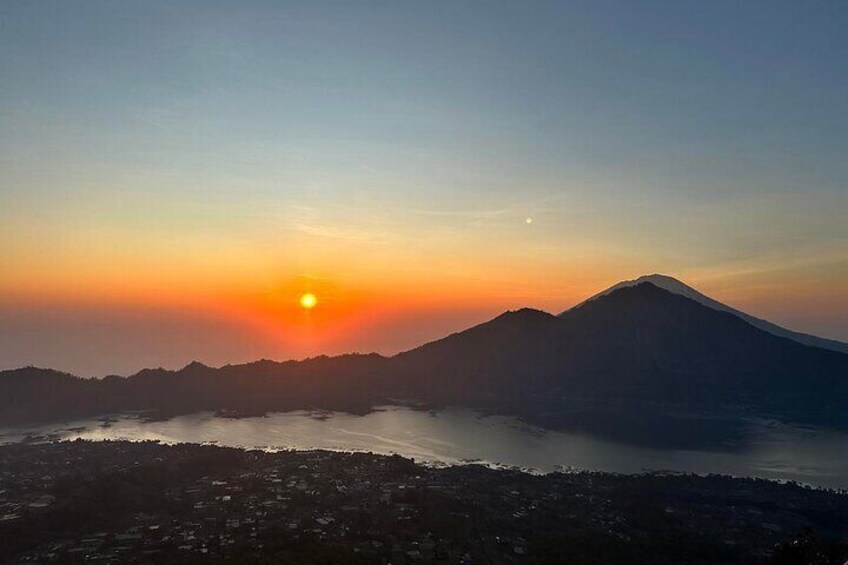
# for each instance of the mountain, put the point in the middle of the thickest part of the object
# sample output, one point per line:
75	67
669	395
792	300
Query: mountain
637	347
638	344
673	285
344	383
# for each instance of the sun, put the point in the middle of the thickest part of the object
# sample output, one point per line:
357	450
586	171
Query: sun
308	301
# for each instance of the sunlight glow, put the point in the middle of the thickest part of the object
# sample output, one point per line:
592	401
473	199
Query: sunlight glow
308	301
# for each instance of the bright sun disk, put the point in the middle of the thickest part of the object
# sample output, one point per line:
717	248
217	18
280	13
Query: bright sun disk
308	301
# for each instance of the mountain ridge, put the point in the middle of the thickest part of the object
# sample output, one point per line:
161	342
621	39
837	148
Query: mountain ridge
638	345
676	286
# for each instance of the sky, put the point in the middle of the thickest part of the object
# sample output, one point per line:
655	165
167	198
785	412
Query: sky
175	175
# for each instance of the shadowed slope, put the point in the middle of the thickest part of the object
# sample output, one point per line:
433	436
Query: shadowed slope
675	286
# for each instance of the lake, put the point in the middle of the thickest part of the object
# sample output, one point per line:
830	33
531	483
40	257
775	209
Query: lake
450	436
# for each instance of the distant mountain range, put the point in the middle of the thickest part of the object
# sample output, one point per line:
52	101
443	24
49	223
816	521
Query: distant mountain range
653	343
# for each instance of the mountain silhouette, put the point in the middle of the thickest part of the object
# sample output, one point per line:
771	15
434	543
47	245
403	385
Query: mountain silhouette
634	348
677	287
638	343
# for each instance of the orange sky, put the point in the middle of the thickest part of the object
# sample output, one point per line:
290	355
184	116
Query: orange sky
114	321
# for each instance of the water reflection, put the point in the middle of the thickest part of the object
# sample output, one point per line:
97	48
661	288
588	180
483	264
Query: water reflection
655	428
452	436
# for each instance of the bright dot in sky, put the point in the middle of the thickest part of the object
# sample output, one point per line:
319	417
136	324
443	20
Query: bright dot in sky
308	301
529	221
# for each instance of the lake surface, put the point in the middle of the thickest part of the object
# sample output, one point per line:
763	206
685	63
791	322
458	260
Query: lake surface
451	436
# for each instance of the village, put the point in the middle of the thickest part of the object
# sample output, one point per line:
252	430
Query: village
121	502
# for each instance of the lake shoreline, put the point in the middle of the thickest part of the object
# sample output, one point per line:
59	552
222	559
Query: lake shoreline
453	436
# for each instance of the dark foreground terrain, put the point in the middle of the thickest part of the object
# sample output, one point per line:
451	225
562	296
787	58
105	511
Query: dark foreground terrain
120	502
